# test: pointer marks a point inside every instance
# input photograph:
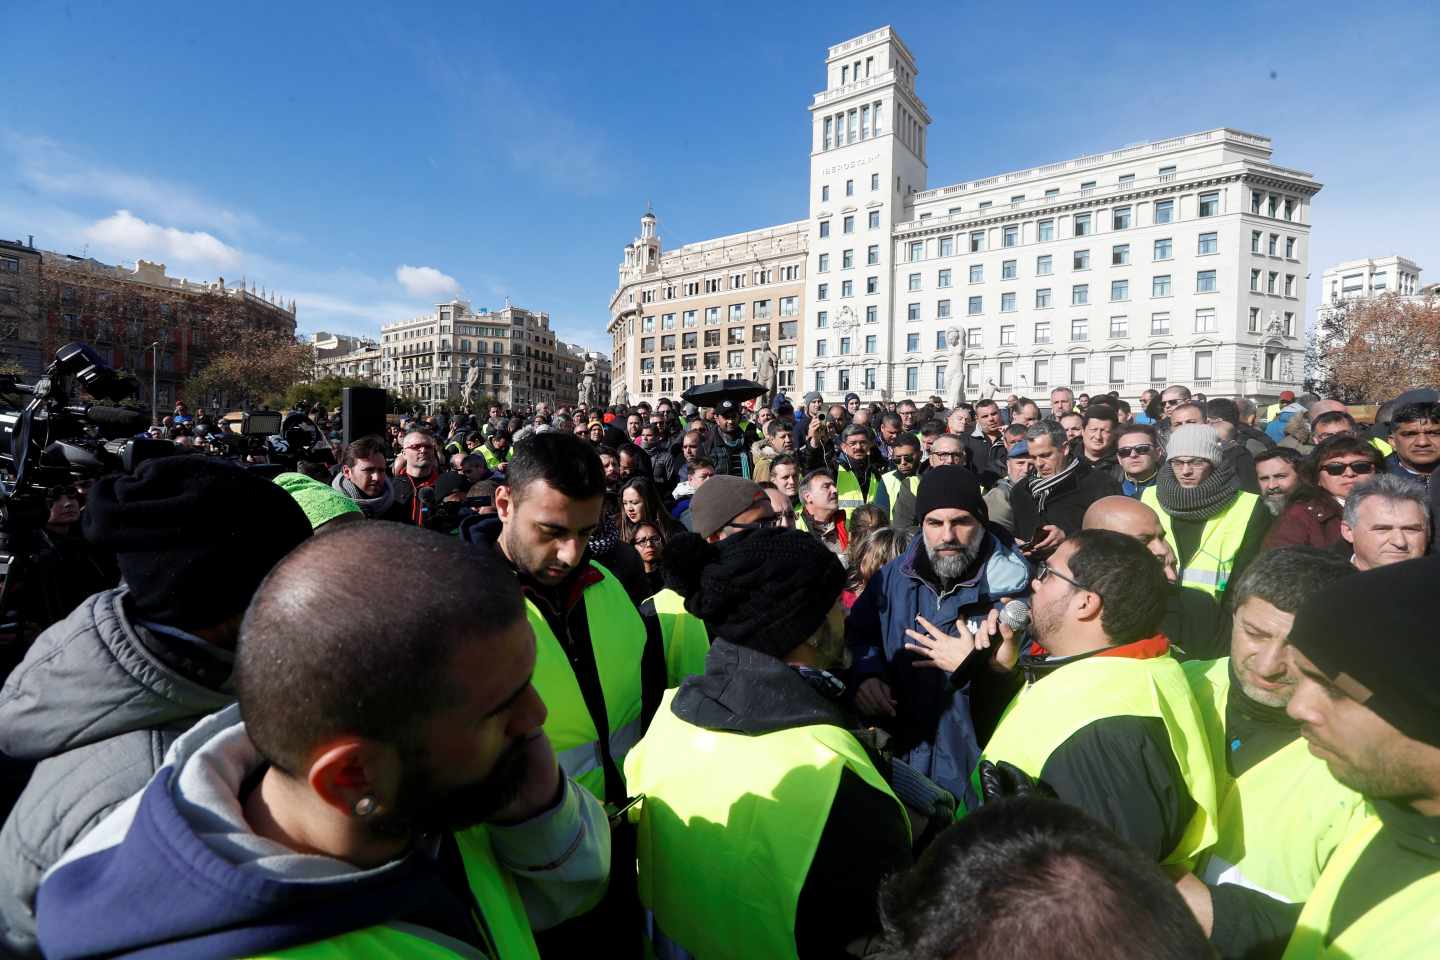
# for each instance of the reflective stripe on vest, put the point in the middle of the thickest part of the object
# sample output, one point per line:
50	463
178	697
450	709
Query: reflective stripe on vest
1280	856
1209	568
686	638
847	489
728	829
1405	924
617	635
1048	711
501	912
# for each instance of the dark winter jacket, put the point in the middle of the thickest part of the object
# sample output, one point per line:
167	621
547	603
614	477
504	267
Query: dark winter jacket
865	837
934	726
1065	505
987	457
97	701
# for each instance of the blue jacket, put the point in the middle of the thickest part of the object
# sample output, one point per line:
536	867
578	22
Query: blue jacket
933	729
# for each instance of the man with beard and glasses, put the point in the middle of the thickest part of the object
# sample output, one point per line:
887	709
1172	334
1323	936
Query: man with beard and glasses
1215	527
1106	718
950	580
1278	472
767	821
1281	812
335	810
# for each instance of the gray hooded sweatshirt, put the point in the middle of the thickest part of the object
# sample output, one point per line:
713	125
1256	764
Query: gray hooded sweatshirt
98	711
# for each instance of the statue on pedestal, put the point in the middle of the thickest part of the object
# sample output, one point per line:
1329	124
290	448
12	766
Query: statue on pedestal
955	368
767	372
472	383
587	384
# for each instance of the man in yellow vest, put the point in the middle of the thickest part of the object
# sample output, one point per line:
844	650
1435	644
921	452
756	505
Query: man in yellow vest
723	507
902	483
496	448
599	665
1215	528
1372	714
766	825
1106	719
857	480
1282	814
334	813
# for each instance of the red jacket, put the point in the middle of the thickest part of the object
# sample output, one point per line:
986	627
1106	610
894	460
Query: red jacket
1314	522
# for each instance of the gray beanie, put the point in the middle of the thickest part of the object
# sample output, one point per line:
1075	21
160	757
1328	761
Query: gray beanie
1195	440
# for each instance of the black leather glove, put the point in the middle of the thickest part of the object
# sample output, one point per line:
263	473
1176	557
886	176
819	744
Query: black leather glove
999	781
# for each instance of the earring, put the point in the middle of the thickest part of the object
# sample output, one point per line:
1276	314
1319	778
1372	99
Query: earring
364	806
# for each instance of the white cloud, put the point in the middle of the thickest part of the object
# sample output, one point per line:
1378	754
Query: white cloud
49	168
125	236
426	282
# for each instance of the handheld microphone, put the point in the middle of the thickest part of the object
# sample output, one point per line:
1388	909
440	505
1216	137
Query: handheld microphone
1016	615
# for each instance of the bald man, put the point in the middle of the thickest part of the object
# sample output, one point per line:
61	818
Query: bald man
1192	617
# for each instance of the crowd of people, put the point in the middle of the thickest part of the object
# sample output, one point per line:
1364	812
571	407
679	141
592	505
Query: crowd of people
855	679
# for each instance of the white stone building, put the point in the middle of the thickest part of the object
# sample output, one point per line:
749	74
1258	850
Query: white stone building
1181	260
1356	279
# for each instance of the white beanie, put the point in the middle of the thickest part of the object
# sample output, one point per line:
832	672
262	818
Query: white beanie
1195	440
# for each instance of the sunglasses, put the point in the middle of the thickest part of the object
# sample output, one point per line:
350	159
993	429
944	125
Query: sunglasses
1044	570
1359	467
1139	450
904	456
1171	403
763	523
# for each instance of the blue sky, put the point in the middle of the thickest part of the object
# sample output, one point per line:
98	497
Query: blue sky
370	159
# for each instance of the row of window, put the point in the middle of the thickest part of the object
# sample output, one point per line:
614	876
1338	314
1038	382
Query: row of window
1205	322
667	384
1079	370
1160	286
847	223
737	281
789	330
734	360
760	310
849	188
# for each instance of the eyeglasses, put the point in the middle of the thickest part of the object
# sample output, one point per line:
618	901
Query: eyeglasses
1171	403
944	456
1359	467
420	446
1139	450
648	541
904	456
1044	570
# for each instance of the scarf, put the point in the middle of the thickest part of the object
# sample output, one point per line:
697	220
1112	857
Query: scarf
1215	493
372	507
729	454
1042	487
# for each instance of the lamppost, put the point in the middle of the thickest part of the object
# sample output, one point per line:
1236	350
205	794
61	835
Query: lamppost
155	384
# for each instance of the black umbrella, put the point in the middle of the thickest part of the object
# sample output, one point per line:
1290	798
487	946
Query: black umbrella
1416	396
737	390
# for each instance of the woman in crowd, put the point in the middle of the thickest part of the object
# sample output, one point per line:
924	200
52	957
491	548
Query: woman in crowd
866	556
1329	473
649	541
640	503
863	520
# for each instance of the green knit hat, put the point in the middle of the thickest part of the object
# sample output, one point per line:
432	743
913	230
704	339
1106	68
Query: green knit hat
320	503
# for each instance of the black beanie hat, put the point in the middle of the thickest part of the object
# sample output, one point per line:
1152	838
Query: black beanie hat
1387	648
950	487
767	589
193	536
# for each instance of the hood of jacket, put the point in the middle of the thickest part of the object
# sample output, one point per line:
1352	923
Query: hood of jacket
745	691
228	891
90	677
1000	570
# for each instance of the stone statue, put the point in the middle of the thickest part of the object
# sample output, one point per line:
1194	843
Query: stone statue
472	383
955	368
587	384
620	394
767	372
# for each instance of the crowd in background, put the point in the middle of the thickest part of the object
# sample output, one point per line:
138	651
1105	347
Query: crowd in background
1059	661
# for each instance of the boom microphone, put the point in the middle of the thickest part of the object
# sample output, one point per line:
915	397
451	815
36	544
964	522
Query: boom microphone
132	421
1016	615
